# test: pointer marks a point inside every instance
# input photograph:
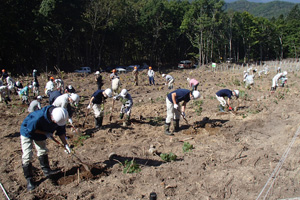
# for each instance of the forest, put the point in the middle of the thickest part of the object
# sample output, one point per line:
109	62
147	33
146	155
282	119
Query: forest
68	34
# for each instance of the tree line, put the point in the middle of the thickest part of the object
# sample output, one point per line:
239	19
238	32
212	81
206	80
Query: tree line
68	34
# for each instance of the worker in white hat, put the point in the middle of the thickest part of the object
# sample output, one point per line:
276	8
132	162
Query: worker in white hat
226	93
98	80
97	103
276	79
169	80
125	98
35	129
174	109
35	104
66	101
59	85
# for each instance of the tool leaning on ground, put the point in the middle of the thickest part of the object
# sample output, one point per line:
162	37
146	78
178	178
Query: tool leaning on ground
112	110
72	153
86	114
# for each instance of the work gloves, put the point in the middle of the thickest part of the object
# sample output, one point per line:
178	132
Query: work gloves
68	149
175	106
230	108
70	121
89	107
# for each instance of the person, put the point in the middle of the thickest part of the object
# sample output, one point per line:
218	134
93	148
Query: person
226	93
135	74
35	129
97	103
98	79
278	69
4	75
169	80
18	86
34	73
4	94
23	94
53	95
59	85
35	104
193	83
35	86
49	86
173	107
126	100
249	81
10	84
115	81
70	89
276	78
64	101
113	75
151	76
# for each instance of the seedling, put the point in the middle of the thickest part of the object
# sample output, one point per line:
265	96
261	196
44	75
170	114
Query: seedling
187	147
80	140
131	167
168	157
236	82
198	108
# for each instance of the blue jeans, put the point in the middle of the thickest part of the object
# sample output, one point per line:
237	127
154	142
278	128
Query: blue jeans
151	80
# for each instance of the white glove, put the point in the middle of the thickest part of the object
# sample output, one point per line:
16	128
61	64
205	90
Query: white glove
183	114
68	149
70	121
175	106
89	106
115	98
49	135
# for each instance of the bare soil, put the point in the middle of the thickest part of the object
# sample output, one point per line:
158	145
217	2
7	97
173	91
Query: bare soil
234	155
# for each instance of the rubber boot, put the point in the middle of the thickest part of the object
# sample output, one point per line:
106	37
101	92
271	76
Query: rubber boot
96	123
100	121
175	125
167	129
27	169
121	115
126	121
44	162
221	108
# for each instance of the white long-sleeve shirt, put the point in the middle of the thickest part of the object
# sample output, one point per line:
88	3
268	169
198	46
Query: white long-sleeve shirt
62	101
150	73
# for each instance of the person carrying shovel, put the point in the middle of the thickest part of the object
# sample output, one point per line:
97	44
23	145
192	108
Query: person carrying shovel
173	107
97	103
221	94
35	129
169	80
126	100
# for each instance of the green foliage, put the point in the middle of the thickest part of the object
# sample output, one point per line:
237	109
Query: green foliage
131	167
81	139
156	121
168	157
236	82
187	147
198	108
221	85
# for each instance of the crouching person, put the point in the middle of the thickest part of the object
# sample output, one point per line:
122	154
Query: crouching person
97	103
35	129
126	100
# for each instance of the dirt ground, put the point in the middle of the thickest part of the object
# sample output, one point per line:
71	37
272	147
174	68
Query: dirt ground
234	155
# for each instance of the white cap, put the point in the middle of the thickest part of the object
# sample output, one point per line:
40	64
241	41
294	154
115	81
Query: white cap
108	92
188	79
60	116
39	97
196	94
75	98
35	70
30	86
70	87
163	75
18	83
97	72
123	93
10	87
284	73
237	92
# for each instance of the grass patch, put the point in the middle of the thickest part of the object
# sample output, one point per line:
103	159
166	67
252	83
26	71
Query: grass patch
80	140
131	167
168	157
187	147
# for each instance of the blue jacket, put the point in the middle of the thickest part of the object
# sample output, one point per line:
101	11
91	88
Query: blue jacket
181	95
224	93
40	120
98	97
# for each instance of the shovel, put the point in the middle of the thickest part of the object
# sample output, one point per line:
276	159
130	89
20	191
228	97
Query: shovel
86	114
112	110
187	121
72	153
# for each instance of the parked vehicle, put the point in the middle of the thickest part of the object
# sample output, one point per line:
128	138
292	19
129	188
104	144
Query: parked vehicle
130	67
185	64
84	70
121	70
